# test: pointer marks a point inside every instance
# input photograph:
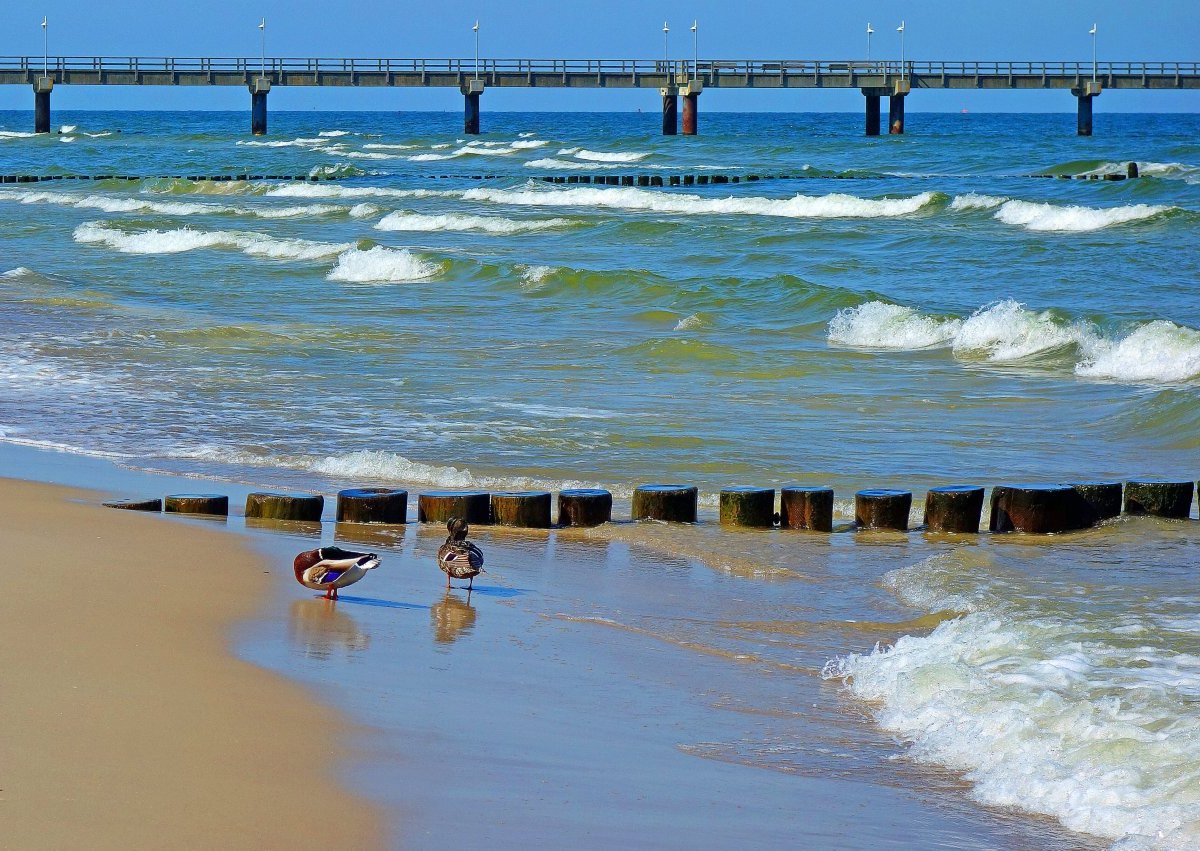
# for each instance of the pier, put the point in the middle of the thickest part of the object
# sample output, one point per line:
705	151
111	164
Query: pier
688	80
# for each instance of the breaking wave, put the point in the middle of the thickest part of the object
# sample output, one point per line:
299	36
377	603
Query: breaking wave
1005	331
405	221
380	265
188	239
1039	216
835	205
1045	706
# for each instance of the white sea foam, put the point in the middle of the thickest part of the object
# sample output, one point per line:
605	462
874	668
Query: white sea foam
405	221
14	134
180	240
878	325
67	139
19	272
609	156
382	265
556	164
690	323
280	143
369	155
1007	330
126	204
532	277
1036	216
383	146
388	466
976	201
526	144
316	190
334	133
1156	352
835	205
1041	709
68	128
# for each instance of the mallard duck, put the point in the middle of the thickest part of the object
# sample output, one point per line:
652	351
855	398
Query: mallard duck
459	558
330	568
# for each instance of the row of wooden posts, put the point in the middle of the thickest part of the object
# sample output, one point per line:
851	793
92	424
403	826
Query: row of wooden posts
1035	508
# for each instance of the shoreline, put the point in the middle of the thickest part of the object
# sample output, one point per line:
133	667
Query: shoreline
130	719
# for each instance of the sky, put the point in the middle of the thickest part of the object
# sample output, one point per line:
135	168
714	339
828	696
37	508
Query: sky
1051	30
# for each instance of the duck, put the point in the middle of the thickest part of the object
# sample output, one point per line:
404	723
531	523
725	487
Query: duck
330	568
459	558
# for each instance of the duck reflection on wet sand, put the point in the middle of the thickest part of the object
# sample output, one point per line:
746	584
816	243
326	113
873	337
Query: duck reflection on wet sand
320	629
452	619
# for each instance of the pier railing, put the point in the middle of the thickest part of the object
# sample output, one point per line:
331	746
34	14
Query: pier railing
712	68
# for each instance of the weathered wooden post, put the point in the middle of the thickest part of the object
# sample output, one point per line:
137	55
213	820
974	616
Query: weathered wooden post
747	506
584	507
269	505
372	505
1159	498
197	503
530	509
1094	502
1037	509
439	506
954	508
882	508
135	504
806	508
672	503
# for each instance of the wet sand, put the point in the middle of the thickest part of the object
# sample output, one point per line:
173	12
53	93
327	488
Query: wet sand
127	720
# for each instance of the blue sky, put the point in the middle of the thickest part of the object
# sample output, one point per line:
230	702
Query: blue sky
1159	30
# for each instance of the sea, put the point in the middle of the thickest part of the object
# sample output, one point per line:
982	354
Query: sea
972	302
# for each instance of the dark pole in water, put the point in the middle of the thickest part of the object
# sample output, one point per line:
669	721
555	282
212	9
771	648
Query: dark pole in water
258	106
471	91
1036	509
872	113
265	505
42	87
530	509
584	507
744	506
673	503
475	507
956	508
1084	96
670	114
882	508
1159	498
806	508
1094	502
372	505
896	114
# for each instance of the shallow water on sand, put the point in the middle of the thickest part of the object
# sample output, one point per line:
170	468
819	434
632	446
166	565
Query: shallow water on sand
904	312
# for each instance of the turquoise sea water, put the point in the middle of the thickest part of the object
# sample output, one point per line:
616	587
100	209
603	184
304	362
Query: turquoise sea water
904	311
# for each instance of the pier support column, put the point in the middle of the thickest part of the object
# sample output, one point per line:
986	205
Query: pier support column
691	106
471	90
873	95
670	96
42	86
900	90
1084	95
259	88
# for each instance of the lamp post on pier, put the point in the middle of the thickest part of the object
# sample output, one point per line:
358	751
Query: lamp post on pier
903	68
45	46
262	30
475	29
666	51
696	49
1092	33
870	32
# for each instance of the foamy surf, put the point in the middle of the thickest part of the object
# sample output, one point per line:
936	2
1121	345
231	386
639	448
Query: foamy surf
381	265
181	240
406	221
1157	352
835	205
1042	704
1036	216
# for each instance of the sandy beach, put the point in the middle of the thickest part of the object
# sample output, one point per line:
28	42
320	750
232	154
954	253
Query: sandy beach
128	721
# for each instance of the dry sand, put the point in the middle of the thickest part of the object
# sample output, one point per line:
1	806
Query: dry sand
124	719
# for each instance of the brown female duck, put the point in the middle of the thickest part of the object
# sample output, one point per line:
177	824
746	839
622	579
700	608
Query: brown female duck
459	558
